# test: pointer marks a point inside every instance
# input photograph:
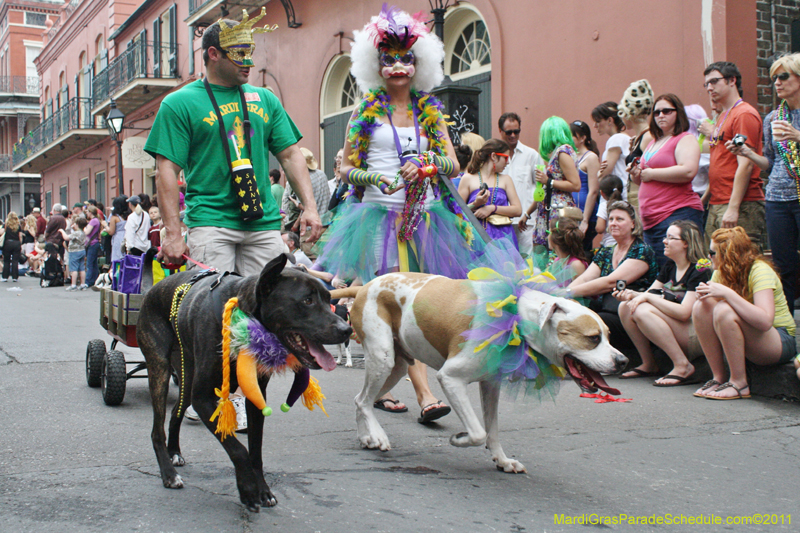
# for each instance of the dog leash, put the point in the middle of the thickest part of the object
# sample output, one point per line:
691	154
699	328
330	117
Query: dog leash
172	266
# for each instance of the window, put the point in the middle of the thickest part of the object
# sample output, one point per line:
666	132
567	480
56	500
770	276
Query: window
62	193
472	49
48	201
350	92
35	19
100	187
84	188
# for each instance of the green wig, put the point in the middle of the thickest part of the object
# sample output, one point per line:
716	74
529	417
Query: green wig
554	132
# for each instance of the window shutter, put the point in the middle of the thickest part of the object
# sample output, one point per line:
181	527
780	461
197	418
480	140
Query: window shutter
173	41
157	48
142	59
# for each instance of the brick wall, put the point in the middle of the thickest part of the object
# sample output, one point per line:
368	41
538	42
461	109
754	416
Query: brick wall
786	11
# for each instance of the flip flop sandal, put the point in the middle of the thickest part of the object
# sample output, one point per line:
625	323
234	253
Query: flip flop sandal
688	380
433	413
707	385
381	404
729	385
640	374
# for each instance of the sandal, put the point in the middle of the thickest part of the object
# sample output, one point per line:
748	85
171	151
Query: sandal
729	385
381	404
707	385
638	373
434	411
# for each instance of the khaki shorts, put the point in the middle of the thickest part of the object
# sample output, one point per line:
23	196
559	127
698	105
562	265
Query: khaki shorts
693	349
244	252
752	217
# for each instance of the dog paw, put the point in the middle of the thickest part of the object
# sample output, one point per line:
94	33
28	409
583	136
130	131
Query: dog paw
268	499
371	442
349	364
510	466
463	440
174	483
178	460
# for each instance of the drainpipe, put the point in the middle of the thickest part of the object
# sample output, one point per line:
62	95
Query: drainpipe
772	49
22	197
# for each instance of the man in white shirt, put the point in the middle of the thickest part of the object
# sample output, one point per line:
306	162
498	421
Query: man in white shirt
521	168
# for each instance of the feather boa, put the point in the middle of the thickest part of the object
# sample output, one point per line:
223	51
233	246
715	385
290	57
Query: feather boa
248	334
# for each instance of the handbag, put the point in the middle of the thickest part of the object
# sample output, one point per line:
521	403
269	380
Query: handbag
2	239
498	220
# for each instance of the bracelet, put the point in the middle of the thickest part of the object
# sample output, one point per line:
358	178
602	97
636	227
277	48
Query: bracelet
471	206
495	210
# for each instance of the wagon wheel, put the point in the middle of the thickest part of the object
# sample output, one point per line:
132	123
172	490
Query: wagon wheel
113	377
95	352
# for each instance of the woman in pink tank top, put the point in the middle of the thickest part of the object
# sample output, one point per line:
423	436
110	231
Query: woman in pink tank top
665	172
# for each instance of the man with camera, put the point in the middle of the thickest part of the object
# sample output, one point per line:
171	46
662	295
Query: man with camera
736	194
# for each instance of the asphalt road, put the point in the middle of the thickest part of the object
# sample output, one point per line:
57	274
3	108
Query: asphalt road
70	463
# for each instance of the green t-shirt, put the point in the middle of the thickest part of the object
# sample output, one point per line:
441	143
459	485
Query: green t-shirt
762	277
277	194
186	132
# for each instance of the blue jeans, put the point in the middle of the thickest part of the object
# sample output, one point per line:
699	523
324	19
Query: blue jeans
92	270
783	229
655	235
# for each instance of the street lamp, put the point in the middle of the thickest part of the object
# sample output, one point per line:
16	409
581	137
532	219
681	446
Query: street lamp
115	121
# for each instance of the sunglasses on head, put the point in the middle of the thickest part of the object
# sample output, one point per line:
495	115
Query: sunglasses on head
388	59
666	111
783	76
511	132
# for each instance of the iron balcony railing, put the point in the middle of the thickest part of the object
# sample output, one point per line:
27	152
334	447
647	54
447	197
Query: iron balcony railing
69	10
195	5
19	85
5	163
76	114
138	61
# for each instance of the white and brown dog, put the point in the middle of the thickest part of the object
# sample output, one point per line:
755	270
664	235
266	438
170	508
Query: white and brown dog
405	316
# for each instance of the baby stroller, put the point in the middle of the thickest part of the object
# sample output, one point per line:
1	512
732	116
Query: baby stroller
52	272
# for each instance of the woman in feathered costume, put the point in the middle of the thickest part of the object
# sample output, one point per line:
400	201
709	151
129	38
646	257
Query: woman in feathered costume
398	217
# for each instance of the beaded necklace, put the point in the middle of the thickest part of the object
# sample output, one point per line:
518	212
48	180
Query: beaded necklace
717	135
494	193
788	149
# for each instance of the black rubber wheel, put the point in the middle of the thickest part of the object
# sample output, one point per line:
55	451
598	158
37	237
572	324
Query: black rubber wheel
95	352
113	377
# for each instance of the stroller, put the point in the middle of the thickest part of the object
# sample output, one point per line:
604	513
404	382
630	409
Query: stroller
52	272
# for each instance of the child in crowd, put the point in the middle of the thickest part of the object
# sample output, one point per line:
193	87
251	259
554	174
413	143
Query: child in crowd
611	190
566	240
77	253
155	228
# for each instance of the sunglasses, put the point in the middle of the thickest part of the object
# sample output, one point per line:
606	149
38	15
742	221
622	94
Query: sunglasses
389	60
511	132
783	76
501	155
666	111
713	81
712	253
671	238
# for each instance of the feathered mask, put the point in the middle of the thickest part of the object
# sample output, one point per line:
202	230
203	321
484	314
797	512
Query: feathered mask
394	29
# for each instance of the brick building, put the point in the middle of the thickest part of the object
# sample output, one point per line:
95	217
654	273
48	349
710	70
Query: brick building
558	59
21	26
778	33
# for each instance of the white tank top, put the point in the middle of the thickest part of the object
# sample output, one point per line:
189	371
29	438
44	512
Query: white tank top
382	157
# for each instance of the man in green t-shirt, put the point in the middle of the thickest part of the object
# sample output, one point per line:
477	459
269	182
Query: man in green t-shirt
186	136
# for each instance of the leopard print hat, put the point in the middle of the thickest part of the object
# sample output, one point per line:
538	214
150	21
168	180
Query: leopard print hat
637	100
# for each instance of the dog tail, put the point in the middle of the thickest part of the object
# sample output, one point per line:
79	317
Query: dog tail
349	292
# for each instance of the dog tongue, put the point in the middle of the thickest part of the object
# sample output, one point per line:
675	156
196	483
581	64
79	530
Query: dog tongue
323	357
600	382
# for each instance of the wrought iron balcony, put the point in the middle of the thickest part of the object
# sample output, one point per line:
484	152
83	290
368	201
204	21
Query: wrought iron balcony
138	75
19	85
68	131
205	12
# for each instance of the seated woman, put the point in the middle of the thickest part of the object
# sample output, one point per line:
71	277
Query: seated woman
490	194
629	260
663	314
741	314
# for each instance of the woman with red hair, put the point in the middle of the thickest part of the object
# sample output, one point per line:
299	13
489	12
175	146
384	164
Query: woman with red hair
740	314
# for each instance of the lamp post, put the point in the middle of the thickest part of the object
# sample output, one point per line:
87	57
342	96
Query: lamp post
115	121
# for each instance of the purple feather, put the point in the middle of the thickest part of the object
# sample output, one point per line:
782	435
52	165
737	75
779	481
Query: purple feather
266	346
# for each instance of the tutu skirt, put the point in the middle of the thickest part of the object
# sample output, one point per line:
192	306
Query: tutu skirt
362	243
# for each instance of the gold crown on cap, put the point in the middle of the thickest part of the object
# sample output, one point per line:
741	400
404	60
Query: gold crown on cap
242	33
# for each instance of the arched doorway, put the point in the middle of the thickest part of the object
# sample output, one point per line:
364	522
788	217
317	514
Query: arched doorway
468	58
339	97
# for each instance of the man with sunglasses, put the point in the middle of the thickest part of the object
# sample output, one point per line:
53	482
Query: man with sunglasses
522	168
736	193
231	227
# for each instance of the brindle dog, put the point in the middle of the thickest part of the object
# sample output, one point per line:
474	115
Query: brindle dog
289	303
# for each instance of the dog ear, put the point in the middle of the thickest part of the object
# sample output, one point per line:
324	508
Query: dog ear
269	276
546	312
